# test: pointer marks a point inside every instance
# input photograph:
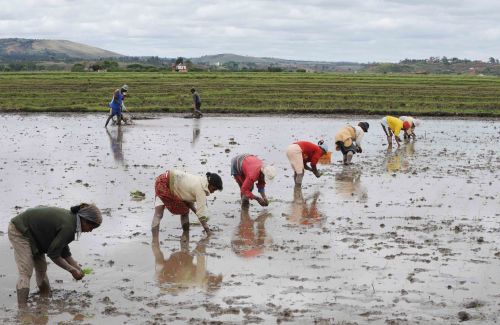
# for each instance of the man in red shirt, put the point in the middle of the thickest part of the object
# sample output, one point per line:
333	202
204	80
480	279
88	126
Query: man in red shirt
302	152
247	169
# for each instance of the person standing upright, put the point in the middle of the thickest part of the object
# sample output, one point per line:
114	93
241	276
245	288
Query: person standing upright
196	104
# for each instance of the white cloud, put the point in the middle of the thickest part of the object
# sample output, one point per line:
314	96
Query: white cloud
333	30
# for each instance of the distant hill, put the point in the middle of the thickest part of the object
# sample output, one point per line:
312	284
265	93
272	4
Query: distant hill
260	62
34	49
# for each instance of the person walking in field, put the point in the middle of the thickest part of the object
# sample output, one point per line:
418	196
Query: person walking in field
116	105
348	140
410	133
301	153
248	169
196	104
48	230
393	126
178	191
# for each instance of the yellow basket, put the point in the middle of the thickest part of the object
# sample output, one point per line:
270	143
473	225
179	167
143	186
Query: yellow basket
326	159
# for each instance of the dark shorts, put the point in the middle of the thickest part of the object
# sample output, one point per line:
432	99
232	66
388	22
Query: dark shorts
345	149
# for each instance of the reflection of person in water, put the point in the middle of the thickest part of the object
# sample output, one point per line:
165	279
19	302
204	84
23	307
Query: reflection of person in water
196	132
348	184
399	160
116	144
304	211
250	241
180	271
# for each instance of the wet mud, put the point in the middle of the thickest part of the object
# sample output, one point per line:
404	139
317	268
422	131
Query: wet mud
405	236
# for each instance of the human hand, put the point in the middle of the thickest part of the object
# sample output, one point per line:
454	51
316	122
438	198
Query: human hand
262	202
76	273
359	150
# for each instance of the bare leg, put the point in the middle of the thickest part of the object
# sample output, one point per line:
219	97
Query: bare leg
298	179
185	222
389	136
109	118
344	160
42	280
245	202
22	297
349	158
155	226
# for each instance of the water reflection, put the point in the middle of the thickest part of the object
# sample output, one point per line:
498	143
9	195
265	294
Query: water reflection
250	238
348	183
116	141
304	211
179	271
399	160
196	131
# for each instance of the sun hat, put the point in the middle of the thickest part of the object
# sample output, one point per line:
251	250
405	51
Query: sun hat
269	172
124	88
323	145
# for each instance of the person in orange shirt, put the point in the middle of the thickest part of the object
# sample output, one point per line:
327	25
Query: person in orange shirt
302	152
393	126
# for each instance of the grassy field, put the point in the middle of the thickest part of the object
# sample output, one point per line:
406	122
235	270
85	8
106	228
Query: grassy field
256	93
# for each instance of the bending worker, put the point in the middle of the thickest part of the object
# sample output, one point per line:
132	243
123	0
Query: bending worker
348	140
178	191
48	230
247	169
410	133
116	105
302	152
392	125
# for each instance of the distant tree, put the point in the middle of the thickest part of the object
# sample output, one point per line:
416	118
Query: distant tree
96	66
110	65
492	60
274	69
135	67
231	65
445	60
179	60
78	67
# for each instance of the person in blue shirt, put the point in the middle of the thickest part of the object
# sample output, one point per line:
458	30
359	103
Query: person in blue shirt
116	104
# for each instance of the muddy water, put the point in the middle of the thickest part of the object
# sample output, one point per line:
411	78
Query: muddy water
401	236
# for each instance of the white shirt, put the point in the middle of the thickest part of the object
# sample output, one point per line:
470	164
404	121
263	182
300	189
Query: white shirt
359	135
190	188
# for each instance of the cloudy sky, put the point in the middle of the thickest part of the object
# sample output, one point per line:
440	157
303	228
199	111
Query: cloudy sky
328	30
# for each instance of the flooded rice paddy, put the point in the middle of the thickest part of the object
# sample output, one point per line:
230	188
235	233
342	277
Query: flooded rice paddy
408	236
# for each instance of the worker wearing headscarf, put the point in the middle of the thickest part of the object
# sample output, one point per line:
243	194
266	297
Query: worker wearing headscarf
393	126
348	140
247	170
301	153
410	133
178	191
48	230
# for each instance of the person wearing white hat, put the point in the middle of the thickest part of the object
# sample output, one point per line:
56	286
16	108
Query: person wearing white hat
116	105
247	170
410	133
